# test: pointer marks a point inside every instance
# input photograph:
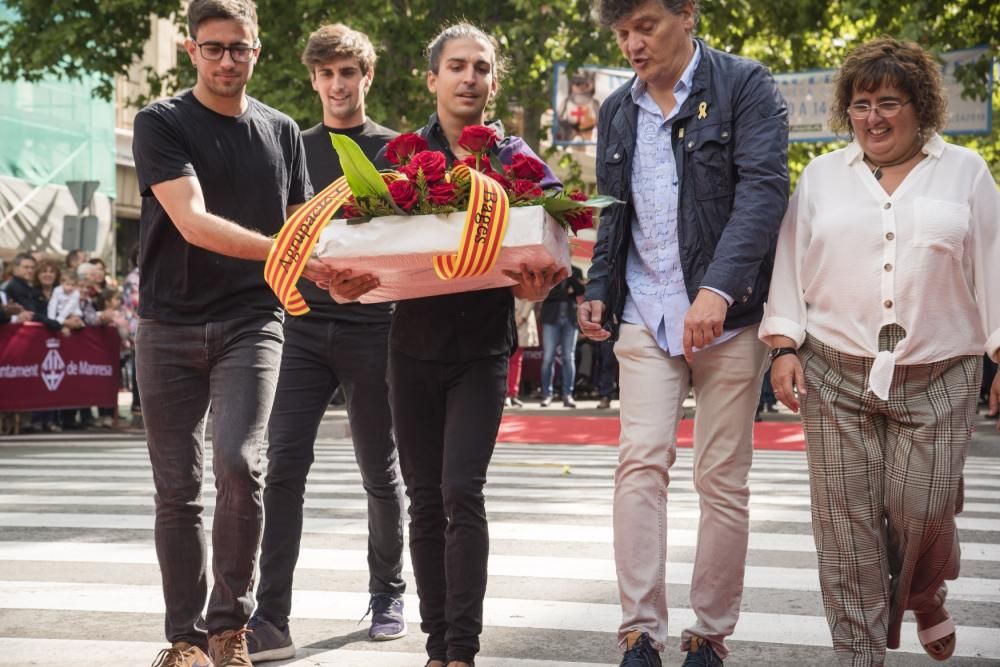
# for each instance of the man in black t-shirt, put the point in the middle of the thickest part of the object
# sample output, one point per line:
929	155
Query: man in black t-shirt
218	172
334	344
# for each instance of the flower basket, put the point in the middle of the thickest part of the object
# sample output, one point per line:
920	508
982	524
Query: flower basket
400	251
427	229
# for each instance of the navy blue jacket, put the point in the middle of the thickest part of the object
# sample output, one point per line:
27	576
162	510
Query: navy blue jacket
732	168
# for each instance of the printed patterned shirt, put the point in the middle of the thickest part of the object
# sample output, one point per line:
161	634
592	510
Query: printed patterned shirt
657	294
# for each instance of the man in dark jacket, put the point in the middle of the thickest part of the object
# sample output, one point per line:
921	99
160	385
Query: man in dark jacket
22	291
695	146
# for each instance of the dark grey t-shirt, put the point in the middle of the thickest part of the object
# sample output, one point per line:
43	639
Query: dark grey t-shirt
324	168
251	167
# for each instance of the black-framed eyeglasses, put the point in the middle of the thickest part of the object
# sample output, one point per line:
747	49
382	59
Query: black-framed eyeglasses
886	109
240	53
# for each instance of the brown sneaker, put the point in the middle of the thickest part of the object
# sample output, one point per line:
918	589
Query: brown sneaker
182	654
229	649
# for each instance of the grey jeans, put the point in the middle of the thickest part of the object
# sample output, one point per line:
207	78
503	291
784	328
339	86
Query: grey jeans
318	357
232	367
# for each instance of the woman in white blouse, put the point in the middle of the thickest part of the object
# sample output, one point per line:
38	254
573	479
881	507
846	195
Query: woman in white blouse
886	291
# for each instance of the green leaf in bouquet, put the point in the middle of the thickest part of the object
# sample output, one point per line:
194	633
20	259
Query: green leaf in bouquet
556	206
362	176
601	201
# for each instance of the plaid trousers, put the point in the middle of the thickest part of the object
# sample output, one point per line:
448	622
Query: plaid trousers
885	485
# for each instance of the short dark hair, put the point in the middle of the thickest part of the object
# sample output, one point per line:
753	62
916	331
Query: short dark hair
464	30
21	256
336	40
610	12
891	62
97	261
244	11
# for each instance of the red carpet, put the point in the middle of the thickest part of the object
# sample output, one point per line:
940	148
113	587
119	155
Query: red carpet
538	429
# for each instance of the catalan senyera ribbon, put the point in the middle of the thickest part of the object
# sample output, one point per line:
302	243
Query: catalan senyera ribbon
295	242
485	226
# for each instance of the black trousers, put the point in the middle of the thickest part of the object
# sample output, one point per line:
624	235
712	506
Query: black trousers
319	356
446	417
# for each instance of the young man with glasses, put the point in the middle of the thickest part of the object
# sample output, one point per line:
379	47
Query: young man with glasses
219	172
333	345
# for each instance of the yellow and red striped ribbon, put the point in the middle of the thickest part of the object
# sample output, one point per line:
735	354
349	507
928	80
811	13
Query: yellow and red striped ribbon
479	246
485	226
295	242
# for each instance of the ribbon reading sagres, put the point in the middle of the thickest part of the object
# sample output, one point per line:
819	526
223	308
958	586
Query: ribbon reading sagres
295	242
485	226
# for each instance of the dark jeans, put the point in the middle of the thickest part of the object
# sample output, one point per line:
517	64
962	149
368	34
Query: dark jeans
607	374
231	366
767	397
446	417
318	357
562	335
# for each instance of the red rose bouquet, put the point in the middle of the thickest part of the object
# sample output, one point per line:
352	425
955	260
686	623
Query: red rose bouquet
423	184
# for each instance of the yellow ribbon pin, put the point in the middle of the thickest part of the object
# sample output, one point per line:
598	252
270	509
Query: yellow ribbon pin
703	110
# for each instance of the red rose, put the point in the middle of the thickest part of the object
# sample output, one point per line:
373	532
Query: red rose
432	163
442	194
402	149
581	218
404	193
486	168
525	189
527	168
499	178
578	195
477	139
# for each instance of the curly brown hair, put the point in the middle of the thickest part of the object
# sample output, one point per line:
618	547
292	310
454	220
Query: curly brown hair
336	40
904	66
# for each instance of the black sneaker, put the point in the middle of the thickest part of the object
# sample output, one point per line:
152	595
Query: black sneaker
266	641
639	652
701	654
387	617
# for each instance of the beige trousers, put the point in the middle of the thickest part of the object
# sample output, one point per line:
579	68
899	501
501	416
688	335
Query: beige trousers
726	380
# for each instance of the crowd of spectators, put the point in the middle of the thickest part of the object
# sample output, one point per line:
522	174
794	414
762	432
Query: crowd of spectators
66	296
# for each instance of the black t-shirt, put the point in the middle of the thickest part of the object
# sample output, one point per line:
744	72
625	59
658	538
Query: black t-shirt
251	167
324	168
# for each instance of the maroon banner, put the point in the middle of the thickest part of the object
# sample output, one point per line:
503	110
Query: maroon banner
43	370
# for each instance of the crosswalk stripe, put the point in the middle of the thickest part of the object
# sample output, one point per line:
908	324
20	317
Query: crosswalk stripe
499	530
501	565
497	612
47	651
757	512
680	490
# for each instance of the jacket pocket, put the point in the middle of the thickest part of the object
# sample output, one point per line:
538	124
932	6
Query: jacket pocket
709	155
941	225
614	170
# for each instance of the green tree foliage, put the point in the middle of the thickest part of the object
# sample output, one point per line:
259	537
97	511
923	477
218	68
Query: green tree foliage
68	37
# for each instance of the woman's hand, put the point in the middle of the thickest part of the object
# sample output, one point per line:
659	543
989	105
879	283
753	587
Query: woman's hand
535	285
786	378
345	287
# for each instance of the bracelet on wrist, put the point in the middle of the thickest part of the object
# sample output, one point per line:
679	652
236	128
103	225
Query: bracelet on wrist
780	352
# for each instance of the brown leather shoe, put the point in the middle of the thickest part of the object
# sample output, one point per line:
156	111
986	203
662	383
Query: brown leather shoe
229	649
182	654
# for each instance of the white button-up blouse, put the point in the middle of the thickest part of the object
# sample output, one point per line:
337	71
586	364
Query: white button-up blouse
852	258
